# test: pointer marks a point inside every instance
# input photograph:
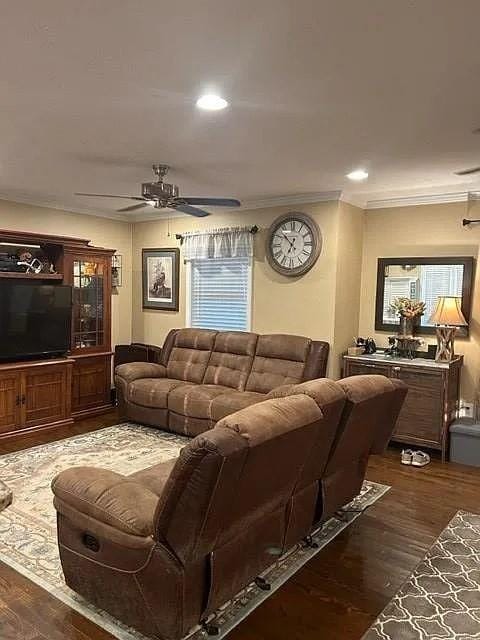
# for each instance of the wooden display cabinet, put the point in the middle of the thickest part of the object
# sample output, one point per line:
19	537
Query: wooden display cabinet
48	393
90	275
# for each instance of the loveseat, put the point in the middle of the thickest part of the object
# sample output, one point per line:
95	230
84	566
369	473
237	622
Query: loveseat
204	375
163	548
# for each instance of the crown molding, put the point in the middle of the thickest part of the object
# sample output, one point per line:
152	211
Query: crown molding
422	199
299	198
45	204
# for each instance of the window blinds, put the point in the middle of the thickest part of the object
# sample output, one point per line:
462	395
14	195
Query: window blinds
220	293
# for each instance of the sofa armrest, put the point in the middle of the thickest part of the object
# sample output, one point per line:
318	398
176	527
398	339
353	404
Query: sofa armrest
131	371
107	497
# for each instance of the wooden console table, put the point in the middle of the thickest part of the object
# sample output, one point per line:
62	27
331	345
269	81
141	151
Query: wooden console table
432	400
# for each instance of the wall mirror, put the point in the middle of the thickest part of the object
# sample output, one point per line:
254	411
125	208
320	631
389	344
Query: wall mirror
422	279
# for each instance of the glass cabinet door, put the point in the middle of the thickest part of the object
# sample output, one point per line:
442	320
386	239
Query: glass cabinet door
88	330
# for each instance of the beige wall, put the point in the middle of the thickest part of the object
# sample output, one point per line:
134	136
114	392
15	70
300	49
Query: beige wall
102	232
429	230
303	306
351	222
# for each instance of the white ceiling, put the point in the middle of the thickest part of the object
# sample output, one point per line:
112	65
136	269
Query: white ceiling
92	92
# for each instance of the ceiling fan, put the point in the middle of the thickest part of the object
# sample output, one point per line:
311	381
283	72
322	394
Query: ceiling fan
162	195
467	172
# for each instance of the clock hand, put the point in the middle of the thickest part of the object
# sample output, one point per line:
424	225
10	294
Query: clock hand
288	240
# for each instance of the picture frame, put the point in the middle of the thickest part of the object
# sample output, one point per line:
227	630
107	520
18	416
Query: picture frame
160	279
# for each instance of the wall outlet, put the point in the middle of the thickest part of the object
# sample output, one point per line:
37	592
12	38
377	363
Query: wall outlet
465	409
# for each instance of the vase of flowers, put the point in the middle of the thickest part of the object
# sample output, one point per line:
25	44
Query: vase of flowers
408	311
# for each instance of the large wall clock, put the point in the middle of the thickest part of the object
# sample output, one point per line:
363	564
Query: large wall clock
294	243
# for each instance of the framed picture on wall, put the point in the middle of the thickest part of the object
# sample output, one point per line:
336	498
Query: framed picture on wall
160	278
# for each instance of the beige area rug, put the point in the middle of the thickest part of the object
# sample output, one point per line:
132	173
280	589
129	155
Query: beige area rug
441	600
28	538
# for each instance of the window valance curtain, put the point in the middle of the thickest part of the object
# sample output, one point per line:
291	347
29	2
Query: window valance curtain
229	242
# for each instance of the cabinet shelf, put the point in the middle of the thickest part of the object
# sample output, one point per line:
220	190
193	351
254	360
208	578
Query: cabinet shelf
31	276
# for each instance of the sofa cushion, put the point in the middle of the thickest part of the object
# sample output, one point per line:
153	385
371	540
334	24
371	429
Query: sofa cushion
231	359
279	359
154	478
152	392
190	354
232	401
188	425
194	400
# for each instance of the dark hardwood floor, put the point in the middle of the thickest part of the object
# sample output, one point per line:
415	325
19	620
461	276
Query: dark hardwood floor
337	595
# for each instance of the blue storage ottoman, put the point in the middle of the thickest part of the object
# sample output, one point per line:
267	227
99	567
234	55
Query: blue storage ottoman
465	442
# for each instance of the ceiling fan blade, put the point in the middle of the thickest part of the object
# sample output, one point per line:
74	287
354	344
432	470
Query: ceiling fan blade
108	195
193	211
212	202
467	172
133	207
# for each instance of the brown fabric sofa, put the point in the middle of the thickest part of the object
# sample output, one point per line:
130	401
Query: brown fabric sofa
163	548
205	375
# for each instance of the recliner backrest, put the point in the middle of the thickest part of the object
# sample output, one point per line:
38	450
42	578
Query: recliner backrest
367	423
190	354
369	417
237	474
231	359
279	359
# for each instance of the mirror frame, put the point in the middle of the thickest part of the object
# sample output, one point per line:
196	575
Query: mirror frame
468	263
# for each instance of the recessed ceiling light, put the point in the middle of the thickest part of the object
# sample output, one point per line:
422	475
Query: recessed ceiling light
211	102
358	175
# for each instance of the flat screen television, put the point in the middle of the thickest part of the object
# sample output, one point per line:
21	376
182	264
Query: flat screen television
35	320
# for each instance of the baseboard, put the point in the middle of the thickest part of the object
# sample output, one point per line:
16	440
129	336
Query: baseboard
90	413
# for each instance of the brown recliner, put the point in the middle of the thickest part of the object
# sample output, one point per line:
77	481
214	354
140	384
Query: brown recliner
368	420
365	409
165	547
203	375
160	553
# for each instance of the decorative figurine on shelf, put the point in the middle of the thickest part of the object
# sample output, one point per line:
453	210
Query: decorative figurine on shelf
362	346
404	344
27	260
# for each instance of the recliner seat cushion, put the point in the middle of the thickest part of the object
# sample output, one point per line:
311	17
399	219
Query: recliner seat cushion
231	359
194	400
190	354
279	359
154	478
152	392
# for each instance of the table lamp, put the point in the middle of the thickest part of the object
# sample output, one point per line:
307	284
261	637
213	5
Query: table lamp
447	317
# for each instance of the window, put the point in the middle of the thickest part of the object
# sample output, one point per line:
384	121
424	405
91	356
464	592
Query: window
220	293
439	280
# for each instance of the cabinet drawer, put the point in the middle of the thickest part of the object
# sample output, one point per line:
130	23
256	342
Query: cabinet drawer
362	369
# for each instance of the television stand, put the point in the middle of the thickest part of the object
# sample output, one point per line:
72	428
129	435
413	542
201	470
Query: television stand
35	396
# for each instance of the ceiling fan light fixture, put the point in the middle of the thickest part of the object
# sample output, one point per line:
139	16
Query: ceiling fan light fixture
357	175
211	102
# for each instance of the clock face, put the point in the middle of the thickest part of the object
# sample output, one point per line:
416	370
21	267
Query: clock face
293	244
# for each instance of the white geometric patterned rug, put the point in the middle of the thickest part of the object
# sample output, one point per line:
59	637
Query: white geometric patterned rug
28	535
441	600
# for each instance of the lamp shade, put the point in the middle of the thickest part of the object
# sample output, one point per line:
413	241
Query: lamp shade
448	312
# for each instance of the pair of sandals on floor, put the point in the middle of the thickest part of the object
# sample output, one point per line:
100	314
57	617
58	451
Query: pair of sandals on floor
415	458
